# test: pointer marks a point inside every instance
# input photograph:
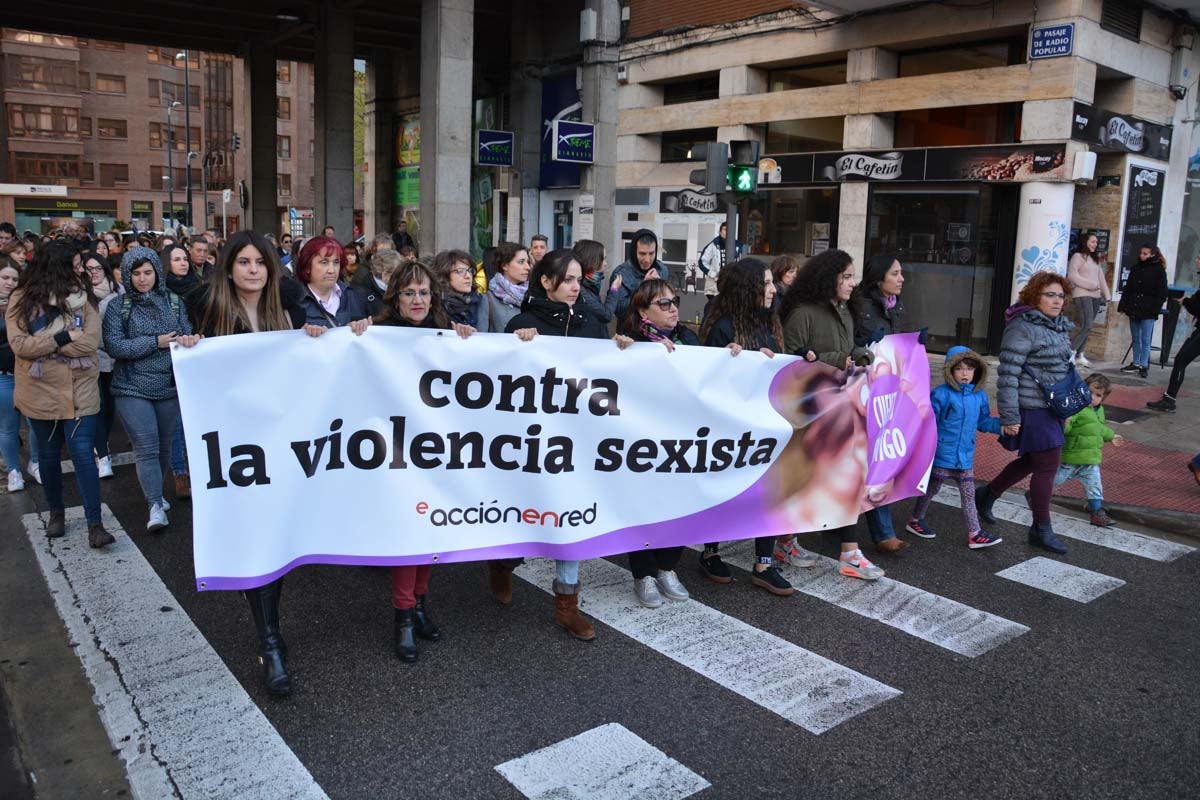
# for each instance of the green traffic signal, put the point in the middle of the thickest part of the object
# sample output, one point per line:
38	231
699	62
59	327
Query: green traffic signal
743	178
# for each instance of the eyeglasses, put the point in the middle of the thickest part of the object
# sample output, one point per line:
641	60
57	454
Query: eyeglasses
95	269
1059	295
410	295
462	272
665	303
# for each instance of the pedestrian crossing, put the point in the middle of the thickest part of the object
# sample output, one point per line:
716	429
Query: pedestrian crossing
1062	579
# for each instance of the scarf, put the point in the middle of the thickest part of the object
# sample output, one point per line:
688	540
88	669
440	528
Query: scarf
53	324
506	291
890	300
462	308
102	290
654	333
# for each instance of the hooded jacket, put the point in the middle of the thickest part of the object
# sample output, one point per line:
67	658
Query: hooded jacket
552	318
1043	344
1145	291
960	410
1085	437
142	368
631	277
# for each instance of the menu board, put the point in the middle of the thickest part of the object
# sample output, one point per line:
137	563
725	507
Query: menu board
1143	207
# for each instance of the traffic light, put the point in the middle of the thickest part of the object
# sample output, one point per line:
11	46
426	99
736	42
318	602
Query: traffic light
237	143
715	175
743	166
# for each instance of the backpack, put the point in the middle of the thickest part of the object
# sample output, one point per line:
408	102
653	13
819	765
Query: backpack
127	308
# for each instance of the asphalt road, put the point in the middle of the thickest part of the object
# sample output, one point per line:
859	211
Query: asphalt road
1094	700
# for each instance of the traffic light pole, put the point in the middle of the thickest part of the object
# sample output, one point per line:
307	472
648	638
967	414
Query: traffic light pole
731	216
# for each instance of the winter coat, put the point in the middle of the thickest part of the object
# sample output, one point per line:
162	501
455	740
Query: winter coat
353	306
1145	291
681	335
499	313
960	410
827	330
721	334
397	321
1087	278
142	368
7	360
631	278
69	384
552	318
470	309
872	319
105	360
1030	338
589	298
1086	434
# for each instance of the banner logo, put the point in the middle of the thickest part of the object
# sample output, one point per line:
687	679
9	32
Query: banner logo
1120	133
886	167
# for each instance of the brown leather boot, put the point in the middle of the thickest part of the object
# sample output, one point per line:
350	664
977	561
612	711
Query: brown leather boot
97	536
183	487
500	580
57	526
566	612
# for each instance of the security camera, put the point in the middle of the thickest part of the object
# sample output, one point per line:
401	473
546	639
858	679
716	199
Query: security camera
1178	91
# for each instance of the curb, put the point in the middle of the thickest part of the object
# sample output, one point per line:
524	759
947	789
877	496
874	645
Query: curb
1163	519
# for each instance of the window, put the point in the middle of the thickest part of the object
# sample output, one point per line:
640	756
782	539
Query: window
112	174
312	181
43	121
161	55
100	45
29	37
283	71
159	130
81	42
285	184
40	74
85	126
976	55
283	107
805	135
1122	18
707	87
158	178
85	82
44	167
112	84
283	147
995	123
168	92
806	76
87	172
678	145
112	128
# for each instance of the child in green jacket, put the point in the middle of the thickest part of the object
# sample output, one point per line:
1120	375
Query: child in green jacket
1086	434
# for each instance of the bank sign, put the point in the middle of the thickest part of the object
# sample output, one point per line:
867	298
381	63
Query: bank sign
574	142
1052	42
494	148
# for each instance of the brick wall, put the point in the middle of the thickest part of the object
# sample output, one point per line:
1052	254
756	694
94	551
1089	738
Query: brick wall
651	16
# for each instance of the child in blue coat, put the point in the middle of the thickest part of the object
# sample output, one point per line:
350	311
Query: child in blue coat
961	409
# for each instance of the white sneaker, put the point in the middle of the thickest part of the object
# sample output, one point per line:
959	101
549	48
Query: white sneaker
33	471
158	518
15	482
1082	360
104	465
166	506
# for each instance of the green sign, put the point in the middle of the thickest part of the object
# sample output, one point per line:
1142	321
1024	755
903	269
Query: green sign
408	186
743	178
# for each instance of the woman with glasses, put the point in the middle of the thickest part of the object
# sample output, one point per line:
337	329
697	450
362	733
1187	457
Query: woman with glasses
455	277
1036	346
99	272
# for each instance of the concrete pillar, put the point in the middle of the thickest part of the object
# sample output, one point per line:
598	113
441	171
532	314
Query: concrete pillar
334	134
525	111
852	220
742	80
1046	120
378	144
447	42
1043	231
864	131
599	97
263	214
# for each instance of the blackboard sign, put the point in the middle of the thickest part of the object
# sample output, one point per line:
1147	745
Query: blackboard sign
1143	207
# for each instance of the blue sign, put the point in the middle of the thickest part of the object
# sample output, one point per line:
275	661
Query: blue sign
494	148
560	100
574	142
1052	42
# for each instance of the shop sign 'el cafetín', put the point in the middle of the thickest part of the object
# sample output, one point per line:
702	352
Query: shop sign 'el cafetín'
1123	133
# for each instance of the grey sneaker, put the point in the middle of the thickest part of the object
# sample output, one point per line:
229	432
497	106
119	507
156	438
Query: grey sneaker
670	586
860	568
158	518
647	592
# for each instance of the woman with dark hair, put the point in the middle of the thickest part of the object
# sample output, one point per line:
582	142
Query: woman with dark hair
182	278
454	276
1035	347
1142	300
507	286
548	309
1089	292
412	301
784	270
100	272
328	301
817	316
10	417
354	260
593	261
54	331
15	253
740	318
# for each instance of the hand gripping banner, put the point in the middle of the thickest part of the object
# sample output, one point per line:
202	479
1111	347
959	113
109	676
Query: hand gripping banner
409	447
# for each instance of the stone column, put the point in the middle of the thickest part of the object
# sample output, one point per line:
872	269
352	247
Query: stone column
863	132
379	144
1043	231
599	97
262	180
447	42
334	134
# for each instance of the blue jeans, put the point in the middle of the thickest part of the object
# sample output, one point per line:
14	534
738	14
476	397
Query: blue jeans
879	522
10	428
1089	476
567	572
178	450
1142	332
150	425
80	436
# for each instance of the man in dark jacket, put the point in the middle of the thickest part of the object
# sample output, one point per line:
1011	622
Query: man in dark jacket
644	265
1187	353
402	238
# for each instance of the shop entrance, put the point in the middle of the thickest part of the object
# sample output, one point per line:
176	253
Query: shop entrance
956	245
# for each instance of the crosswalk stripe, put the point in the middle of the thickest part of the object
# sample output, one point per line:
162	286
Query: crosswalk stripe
1136	544
798	685
1063	579
938	620
183	724
118	460
606	763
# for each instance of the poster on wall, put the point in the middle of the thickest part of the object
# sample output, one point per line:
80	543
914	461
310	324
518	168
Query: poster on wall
997	164
407	177
1143	207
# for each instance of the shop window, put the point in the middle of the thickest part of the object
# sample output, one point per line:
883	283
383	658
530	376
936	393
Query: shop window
805	135
680	146
87	172
806	76
285	184
996	123
283	107
283	147
110	84
113	174
43	121
1122	18
40	74
795	222
112	128
675	243
44	167
977	55
283	71
707	87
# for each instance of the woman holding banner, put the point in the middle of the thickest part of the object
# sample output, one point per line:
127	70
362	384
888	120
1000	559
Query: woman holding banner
549	309
328	301
457	291
412	301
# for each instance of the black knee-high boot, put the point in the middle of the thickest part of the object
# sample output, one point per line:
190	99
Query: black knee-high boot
264	607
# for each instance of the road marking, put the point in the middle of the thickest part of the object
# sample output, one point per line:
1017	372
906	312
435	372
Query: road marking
183	724
938	620
605	763
1062	579
118	460
798	685
1135	544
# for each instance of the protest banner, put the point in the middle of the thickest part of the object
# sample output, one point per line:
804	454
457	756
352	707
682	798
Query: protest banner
410	446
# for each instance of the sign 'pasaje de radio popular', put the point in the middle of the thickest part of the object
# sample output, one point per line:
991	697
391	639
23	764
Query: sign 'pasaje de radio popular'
494	148
1052	41
574	142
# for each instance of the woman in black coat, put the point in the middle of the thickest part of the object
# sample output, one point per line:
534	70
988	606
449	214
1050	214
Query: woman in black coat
1142	300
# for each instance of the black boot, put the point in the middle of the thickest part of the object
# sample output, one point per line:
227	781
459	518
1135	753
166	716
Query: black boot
406	645
264	607
984	500
1041	534
424	626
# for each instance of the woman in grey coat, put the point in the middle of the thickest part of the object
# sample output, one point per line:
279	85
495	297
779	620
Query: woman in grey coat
1035	340
506	289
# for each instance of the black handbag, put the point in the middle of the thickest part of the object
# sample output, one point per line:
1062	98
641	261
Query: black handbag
1067	397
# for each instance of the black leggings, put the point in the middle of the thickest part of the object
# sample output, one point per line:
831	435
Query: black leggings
1186	355
645	563
764	546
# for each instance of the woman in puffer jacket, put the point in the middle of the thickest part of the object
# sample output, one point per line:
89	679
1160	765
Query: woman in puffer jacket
1036	343
139	328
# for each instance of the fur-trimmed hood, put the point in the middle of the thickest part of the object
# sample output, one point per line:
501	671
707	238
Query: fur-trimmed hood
958	354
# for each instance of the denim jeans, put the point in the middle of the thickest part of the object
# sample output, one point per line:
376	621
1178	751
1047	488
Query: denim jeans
178	450
1089	476
150	425
1142	332
879	522
80	436
567	572
10	427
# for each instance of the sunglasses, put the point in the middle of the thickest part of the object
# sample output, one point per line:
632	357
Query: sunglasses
665	303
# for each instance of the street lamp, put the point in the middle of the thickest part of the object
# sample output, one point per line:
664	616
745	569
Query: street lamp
170	168
187	132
